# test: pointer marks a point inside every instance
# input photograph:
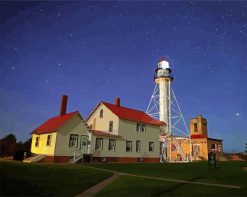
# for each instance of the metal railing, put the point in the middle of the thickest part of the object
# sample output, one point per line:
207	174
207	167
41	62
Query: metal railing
77	154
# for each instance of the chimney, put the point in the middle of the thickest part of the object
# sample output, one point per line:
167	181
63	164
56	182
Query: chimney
117	102
63	107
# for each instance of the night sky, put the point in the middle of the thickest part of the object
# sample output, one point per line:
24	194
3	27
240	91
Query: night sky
96	51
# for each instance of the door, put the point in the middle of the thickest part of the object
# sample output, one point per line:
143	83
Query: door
84	143
196	150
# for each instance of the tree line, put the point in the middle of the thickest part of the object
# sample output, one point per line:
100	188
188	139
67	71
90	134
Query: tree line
10	148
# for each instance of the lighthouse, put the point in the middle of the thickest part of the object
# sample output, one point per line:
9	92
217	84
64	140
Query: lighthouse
163	78
164	106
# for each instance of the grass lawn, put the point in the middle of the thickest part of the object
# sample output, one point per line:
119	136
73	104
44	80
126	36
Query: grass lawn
231	173
35	179
134	186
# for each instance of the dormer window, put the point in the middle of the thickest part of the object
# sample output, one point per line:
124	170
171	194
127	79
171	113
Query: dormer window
101	113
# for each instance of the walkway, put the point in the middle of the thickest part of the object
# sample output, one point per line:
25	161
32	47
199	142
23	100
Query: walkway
96	188
93	190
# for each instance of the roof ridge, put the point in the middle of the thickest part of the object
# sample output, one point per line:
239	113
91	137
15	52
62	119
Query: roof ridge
94	109
124	107
70	115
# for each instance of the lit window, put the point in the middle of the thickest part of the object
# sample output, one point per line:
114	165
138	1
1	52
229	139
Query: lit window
48	140
110	126
138	146
37	141
151	146
101	113
195	127
99	144
73	140
112	145
143	128
128	146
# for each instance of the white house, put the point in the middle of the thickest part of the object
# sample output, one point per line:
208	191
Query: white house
122	134
60	138
112	133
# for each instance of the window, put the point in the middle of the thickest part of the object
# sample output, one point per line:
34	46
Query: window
99	144
101	113
73	140
219	148
151	146
112	145
128	146
37	141
195	127
143	128
48	140
138	146
213	147
110	126
138	127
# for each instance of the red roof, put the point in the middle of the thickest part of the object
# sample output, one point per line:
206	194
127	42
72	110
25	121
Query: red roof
53	124
104	134
132	114
197	136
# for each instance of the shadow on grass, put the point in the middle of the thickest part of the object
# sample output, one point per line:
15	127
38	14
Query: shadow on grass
177	186
9	186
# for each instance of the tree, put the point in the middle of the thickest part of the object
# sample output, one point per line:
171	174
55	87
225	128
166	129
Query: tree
7	145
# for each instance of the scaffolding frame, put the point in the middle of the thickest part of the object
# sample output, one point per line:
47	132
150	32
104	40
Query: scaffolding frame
175	117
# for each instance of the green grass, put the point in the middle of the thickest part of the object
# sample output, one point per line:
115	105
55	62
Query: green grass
24	179
231	173
134	186
18	178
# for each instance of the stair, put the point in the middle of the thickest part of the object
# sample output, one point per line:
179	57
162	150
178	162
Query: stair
34	159
74	160
178	148
78	154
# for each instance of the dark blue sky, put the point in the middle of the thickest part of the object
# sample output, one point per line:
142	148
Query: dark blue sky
95	51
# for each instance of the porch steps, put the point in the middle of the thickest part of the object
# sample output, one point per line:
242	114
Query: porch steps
34	159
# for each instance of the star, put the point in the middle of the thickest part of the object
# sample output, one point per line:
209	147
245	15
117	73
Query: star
237	114
13	67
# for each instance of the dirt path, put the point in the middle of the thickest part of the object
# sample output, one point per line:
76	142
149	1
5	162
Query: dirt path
93	190
96	188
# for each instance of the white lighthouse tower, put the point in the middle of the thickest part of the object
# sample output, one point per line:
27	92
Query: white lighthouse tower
163	105
163	77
